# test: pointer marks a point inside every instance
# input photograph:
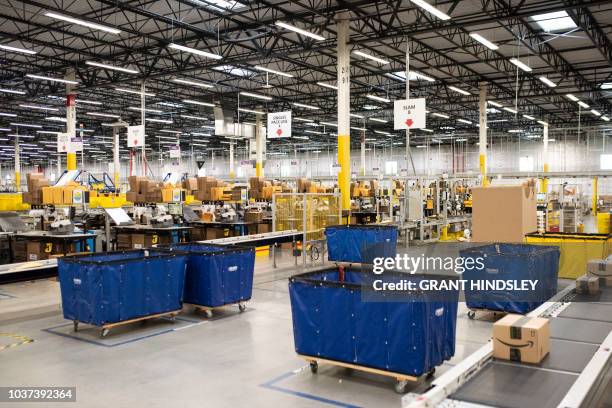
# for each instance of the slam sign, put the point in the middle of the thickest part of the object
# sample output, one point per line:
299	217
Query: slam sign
409	114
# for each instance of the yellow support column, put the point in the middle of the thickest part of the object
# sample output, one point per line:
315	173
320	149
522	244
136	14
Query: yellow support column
71	161
544	181
344	108
594	208
17	163
482	139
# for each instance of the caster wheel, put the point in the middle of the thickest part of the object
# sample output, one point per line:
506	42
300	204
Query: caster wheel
173	319
400	387
471	314
431	374
241	307
314	367
76	326
208	313
104	333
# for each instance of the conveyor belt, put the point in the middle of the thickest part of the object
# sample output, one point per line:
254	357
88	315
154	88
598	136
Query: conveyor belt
601	312
579	330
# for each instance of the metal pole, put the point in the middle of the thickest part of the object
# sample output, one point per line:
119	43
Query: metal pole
482	133
258	147
116	165
544	183
71	157
231	162
17	162
142	122
344	108
363	147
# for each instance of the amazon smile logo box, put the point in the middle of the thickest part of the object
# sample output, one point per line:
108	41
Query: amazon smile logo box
521	338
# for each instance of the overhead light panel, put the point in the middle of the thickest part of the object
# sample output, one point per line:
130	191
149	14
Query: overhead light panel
461	91
194	117
427	130
16	49
440	115
194	83
134	91
195	51
272	71
303	105
464	121
604	117
606	85
378	98
511	110
330	86
93	26
30	125
584	105
571	97
541	122
104	115
137	108
329	124
111	67
10	115
300	31
595	112
377	120
528	117
547	81
484	41
12	91
251	111
371	57
555	21
304	120
46	78
192	102
431	9
166	121
56	119
499	105
521	64
258	96
39	107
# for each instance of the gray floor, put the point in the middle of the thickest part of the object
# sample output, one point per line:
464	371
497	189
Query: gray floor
232	360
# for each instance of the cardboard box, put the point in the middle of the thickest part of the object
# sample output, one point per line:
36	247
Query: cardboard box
191	184
587	284
140	241
35	251
521	338
600	267
131	196
503	213
253	216
217	232
26	197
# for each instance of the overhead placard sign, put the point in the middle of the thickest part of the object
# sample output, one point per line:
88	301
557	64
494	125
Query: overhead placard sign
63	143
175	152
279	125
409	114
336	168
136	136
76	145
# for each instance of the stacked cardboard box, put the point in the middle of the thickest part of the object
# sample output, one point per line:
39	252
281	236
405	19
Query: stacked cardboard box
253	216
261	189
211	189
602	270
587	284
36	182
143	190
191	185
521	338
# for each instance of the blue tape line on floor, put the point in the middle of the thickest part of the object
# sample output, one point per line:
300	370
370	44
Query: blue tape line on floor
272	386
99	343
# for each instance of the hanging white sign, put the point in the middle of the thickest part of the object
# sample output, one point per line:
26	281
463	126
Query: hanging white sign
76	145
63	142
409	114
279	125
135	136
175	152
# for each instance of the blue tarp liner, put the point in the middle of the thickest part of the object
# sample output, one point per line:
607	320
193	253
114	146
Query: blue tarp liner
112	287
361	243
217	275
331	321
512	262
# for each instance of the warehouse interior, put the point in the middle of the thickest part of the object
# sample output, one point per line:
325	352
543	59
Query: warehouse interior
383	203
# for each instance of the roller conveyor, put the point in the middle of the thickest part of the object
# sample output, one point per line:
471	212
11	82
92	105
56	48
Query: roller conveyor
577	373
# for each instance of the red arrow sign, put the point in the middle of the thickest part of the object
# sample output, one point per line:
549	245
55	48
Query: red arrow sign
135	141
279	131
409	122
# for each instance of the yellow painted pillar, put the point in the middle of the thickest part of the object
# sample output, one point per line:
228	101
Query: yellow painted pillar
594	208
482	133
544	181
344	108
17	163
231	162
71	157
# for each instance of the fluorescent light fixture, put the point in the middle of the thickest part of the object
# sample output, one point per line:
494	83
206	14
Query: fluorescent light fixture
251	111
12	91
510	110
440	115
16	49
133	91
111	67
584	105
555	21
464	121
303	120
499	105
521	64
431	9
571	97
258	96
192	102
604	117
483	41
606	85
171	131
300	31
354	115
194	117
300	137
194	83
5	130
314	132
272	71
103	115
329	124
208	127
30	125
595	112
378	98
201	134
231	69
358	128
461	91
377	120
461	140
145	109
93	26
427	130
167	121
330	86
380	132
552	140
528	117
39	107
46	78
195	51
47	132
421	146
413	76
56	119
303	105
547	81
10	115
541	122
515	131
371	57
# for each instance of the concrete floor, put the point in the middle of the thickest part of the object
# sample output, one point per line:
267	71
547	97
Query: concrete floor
234	359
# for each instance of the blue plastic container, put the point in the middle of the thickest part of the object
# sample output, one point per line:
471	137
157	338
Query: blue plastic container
331	321
217	275
512	262
113	287
361	243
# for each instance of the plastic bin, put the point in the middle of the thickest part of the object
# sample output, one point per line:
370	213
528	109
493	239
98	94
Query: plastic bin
217	275
112	287
360	243
331	321
576	249
512	262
